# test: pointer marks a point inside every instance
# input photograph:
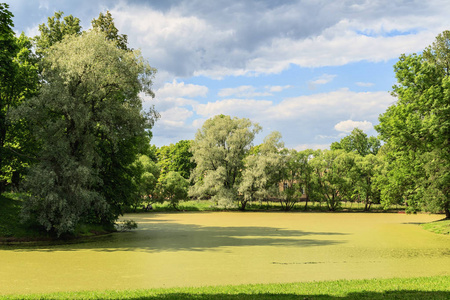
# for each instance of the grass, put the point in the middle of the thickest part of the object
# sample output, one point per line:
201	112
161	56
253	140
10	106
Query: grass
13	230
10	225
436	287
207	205
439	227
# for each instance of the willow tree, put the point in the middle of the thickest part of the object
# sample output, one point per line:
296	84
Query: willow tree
416	129
218	150
88	118
264	169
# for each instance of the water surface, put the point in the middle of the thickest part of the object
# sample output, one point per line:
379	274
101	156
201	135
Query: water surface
218	248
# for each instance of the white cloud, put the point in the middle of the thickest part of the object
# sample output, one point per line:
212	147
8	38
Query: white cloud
220	39
277	88
324	79
349	125
243	91
180	89
364	84
44	4
302	147
235	107
175	117
326	106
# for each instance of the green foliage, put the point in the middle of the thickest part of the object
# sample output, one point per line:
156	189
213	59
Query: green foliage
11	226
174	188
218	150
264	167
333	177
305	172
126	225
176	157
358	142
105	24
367	168
88	119
56	29
18	80
416	129
7	44
147	181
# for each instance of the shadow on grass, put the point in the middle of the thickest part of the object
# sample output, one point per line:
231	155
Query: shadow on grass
401	294
156	235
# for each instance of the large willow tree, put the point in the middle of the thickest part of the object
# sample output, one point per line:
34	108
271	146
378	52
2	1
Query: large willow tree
218	150
88	119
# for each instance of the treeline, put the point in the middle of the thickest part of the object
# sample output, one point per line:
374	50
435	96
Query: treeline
71	121
232	172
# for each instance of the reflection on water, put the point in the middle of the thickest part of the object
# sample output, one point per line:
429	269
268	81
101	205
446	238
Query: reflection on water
195	249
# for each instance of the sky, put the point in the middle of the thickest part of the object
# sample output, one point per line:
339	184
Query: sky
311	69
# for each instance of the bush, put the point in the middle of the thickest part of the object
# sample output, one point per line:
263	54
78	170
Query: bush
126	225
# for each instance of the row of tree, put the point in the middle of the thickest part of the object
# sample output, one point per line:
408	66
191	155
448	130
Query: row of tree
71	120
230	171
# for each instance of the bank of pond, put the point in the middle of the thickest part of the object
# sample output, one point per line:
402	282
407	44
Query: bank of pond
12	230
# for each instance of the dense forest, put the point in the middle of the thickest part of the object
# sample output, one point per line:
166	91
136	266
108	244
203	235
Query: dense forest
75	142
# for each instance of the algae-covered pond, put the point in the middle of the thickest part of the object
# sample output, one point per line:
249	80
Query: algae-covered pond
218	248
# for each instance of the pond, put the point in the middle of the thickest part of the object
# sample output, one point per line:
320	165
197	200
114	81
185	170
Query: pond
219	248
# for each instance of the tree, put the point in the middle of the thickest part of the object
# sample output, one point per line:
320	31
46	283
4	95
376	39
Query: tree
392	178
218	150
18	81
333	176
416	128
288	172
174	188
176	157
55	31
358	142
88	119
147	180
105	23
304	173
260	175
367	169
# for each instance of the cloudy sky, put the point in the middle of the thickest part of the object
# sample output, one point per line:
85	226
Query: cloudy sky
311	69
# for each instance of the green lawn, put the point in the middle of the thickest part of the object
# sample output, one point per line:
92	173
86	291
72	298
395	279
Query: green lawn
440	227
437	287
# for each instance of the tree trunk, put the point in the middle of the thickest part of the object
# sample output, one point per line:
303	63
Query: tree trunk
447	213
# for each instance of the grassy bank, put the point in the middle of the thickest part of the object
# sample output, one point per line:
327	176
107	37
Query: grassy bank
13	230
10	225
207	205
437	287
439	227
